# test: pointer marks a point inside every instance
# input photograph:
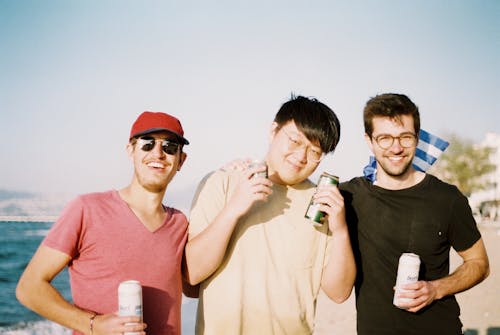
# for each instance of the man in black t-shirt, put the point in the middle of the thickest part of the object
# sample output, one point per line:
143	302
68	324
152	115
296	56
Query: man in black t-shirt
406	210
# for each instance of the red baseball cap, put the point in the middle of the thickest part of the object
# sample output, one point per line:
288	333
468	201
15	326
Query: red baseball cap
151	122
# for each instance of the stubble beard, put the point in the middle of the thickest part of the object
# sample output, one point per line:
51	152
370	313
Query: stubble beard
395	172
154	186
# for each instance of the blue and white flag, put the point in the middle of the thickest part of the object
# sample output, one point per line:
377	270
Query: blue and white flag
429	148
370	171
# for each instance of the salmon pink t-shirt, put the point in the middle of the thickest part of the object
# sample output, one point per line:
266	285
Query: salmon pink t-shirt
108	244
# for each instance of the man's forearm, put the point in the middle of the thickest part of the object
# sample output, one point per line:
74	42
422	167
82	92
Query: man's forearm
467	275
45	300
205	251
35	291
339	274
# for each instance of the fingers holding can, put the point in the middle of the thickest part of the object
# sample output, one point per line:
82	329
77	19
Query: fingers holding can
258	169
316	209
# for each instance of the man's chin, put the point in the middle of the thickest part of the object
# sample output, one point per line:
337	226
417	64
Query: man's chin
396	171
155	188
291	180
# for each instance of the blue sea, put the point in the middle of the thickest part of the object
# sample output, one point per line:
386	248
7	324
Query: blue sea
18	242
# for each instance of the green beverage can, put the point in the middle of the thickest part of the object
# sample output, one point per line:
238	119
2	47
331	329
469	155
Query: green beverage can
313	213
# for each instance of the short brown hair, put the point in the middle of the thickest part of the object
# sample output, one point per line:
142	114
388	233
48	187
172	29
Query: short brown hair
390	105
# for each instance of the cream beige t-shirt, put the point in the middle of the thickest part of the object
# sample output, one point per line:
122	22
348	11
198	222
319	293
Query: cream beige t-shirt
270	277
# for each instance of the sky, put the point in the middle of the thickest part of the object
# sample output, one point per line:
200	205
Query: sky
74	75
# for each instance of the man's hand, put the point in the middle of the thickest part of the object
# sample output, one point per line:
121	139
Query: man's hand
332	203
422	293
249	190
108	324
240	164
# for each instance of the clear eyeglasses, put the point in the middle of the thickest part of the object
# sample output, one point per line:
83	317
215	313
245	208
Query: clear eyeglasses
406	140
295	144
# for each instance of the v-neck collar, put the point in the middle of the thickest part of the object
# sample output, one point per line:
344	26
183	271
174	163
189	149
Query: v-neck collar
168	213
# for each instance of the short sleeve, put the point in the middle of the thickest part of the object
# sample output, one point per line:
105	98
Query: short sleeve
210	197
463	229
65	234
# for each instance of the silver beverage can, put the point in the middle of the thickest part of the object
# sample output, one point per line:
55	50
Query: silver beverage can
408	268
130	300
313	213
256	163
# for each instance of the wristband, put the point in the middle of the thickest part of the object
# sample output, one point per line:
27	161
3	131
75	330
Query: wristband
92	323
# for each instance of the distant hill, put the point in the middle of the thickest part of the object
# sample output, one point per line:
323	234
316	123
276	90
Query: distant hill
7	194
19	203
27	204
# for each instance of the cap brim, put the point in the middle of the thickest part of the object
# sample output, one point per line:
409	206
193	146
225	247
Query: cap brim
156	130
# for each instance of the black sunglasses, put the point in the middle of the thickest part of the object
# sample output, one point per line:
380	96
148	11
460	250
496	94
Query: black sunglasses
147	143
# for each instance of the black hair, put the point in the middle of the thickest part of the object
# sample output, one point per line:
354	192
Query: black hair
313	118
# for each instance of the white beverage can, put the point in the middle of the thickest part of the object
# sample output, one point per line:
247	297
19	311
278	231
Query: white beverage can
256	163
408	268
130	300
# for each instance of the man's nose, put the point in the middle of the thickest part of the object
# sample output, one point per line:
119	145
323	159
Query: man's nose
301	153
396	145
157	149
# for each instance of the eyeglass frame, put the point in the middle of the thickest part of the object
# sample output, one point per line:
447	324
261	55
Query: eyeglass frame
301	146
414	140
165	143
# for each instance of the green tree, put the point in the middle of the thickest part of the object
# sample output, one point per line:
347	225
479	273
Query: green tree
464	164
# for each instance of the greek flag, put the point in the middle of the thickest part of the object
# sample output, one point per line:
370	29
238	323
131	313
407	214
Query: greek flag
429	148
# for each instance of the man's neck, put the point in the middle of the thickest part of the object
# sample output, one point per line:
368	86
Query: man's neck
145	204
407	180
140	197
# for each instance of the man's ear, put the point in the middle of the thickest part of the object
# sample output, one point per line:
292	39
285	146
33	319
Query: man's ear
182	159
272	132
369	142
130	150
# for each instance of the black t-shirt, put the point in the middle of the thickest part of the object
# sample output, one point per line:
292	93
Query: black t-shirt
426	219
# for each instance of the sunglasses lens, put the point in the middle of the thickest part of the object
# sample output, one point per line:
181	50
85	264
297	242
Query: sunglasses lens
170	148
147	144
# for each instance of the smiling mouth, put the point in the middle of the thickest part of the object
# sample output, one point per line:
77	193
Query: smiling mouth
395	158
294	165
156	165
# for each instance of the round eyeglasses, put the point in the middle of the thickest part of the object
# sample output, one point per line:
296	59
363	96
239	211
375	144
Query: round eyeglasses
295	144
406	140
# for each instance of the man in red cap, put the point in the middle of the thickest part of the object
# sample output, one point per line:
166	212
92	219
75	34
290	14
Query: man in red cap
109	237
